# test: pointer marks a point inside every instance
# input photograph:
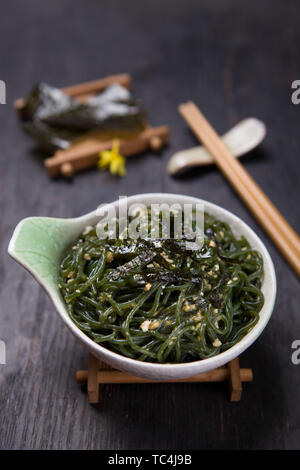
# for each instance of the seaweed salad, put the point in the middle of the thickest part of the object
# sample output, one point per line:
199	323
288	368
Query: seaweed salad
155	300
56	119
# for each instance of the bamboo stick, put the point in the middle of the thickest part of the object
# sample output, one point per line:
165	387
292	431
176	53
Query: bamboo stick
93	387
115	376
282	234
95	86
235	382
85	90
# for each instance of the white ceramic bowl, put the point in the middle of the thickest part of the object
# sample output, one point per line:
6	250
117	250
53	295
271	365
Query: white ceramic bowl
39	242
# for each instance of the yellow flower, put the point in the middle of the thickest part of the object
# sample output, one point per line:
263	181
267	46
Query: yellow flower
112	159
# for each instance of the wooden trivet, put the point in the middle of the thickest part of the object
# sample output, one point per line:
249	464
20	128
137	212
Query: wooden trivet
85	152
99	373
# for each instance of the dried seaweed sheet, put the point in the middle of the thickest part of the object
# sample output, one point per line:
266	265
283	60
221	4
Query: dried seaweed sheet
55	119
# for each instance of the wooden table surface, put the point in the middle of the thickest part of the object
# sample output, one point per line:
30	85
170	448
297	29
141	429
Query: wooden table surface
235	60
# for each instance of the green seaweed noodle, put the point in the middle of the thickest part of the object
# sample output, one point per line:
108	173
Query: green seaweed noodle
157	301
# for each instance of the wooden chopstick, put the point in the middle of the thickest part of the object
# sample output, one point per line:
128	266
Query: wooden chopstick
282	234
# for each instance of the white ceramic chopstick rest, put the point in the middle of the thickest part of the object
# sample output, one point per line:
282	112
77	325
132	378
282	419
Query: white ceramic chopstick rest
242	138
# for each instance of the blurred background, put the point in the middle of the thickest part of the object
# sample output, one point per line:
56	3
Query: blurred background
235	60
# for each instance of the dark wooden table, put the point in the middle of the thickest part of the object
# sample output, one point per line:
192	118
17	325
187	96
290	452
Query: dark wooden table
234	59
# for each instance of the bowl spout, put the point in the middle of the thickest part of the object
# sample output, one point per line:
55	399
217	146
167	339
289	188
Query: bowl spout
37	244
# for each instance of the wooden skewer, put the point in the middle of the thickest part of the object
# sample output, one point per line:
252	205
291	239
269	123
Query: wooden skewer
282	234
83	91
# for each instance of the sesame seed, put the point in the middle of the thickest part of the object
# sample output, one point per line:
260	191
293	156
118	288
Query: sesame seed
145	325
109	256
87	229
155	324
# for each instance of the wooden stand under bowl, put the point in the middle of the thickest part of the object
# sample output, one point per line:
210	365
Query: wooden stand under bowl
99	373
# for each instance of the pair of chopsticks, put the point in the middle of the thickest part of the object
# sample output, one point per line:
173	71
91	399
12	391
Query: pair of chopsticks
282	234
